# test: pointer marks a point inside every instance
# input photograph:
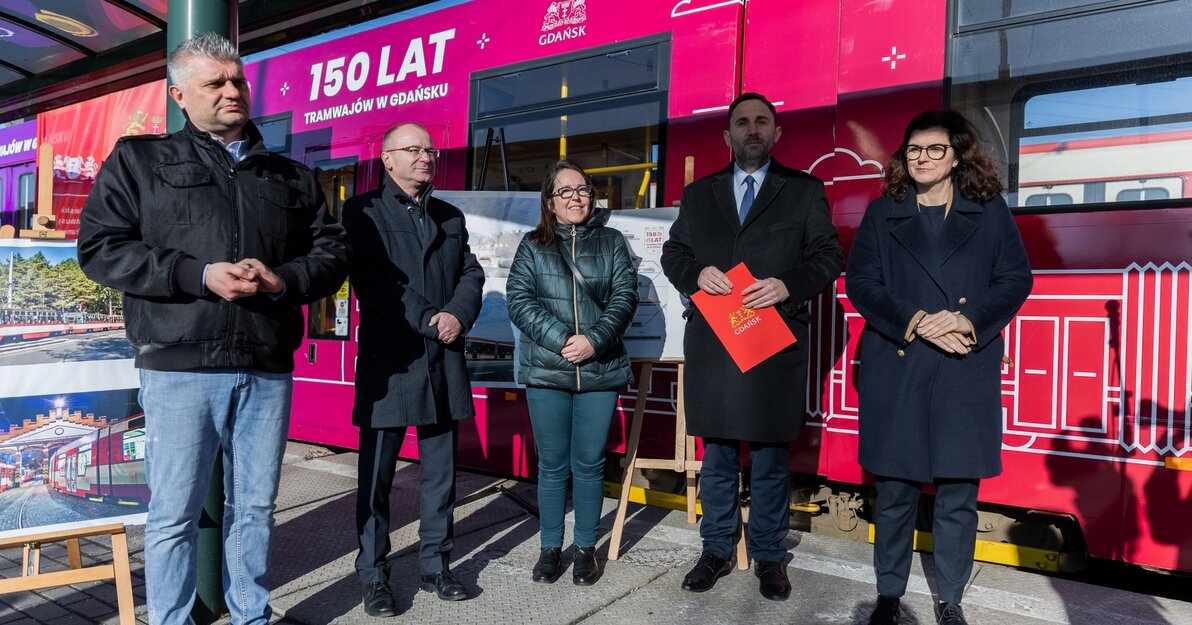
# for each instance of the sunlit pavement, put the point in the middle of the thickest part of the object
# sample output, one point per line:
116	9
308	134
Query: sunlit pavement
496	545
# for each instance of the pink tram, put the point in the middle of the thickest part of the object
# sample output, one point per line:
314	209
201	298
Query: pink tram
1097	421
1087	106
105	466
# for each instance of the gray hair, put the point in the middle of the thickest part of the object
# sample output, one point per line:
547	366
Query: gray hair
210	45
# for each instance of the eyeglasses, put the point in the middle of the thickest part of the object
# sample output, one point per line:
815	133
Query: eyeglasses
935	151
567	192
415	151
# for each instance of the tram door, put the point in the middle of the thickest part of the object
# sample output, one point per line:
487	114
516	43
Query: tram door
18	194
329	320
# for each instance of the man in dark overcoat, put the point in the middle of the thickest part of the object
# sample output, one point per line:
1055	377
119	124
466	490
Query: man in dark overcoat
776	221
418	288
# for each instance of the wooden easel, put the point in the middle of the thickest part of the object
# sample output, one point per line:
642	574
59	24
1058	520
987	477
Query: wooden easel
33	579
682	462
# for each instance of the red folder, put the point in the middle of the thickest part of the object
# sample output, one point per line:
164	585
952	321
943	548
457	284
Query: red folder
749	335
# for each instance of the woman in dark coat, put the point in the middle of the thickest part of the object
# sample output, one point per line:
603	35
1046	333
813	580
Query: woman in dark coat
572	359
937	270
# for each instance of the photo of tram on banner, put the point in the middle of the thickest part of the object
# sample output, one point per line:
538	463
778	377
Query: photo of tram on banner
72	439
76	458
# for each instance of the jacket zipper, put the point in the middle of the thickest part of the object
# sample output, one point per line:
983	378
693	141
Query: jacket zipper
221	155
575	305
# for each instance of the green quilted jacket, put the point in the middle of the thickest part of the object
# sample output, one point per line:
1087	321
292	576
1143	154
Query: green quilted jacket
548	307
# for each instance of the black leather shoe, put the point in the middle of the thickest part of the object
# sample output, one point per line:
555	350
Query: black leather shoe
445	586
709	568
378	600
885	611
772	580
550	565
585	570
949	614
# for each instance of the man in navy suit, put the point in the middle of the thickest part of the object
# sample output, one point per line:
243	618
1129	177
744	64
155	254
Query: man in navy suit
776	221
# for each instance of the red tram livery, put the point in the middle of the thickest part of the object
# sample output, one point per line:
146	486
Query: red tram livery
1088	108
105	466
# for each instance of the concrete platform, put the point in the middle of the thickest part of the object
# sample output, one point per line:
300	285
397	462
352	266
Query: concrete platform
496	547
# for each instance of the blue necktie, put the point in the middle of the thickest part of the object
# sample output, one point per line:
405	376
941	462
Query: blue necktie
747	200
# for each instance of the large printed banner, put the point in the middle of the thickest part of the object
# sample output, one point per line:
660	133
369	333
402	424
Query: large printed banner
78	156
18	143
497	221
71	431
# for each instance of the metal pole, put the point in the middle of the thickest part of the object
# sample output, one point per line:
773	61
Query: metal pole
186	18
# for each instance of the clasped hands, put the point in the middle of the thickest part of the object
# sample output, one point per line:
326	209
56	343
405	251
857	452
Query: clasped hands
449	328
764	292
244	278
948	330
577	349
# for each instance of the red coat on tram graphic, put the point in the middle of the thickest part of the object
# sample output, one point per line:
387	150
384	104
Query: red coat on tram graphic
927	414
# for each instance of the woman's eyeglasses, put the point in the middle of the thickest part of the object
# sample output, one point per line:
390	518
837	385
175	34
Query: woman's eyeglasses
568	192
935	151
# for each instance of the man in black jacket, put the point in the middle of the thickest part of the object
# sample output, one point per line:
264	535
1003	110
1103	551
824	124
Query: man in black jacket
775	220
418	287
216	243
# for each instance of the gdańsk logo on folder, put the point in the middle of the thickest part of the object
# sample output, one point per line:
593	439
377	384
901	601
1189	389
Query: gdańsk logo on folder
746	334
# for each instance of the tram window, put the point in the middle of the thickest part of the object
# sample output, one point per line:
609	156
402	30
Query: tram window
1142	195
276	131
133	444
1107	100
978	11
1048	199
26	199
328	317
604	109
618	146
604	75
84	458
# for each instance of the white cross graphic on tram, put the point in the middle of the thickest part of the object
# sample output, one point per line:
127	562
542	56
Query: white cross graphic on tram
894	56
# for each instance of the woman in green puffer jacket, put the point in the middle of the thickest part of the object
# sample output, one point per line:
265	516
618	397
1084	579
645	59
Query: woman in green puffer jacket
572	359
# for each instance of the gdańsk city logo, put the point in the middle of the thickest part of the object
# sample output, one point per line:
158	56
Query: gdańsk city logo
742	319
567	15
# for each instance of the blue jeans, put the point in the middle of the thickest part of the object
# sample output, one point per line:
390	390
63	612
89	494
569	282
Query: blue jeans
571	433
189	416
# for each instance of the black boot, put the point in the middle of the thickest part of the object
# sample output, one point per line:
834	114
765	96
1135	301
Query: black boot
585	570
550	565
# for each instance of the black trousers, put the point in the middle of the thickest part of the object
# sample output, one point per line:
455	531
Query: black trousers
436	498
769	498
954	533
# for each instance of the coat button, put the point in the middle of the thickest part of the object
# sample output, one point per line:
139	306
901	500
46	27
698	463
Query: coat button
962	301
901	353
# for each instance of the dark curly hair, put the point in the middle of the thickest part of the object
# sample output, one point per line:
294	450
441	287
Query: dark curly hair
975	175
544	234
